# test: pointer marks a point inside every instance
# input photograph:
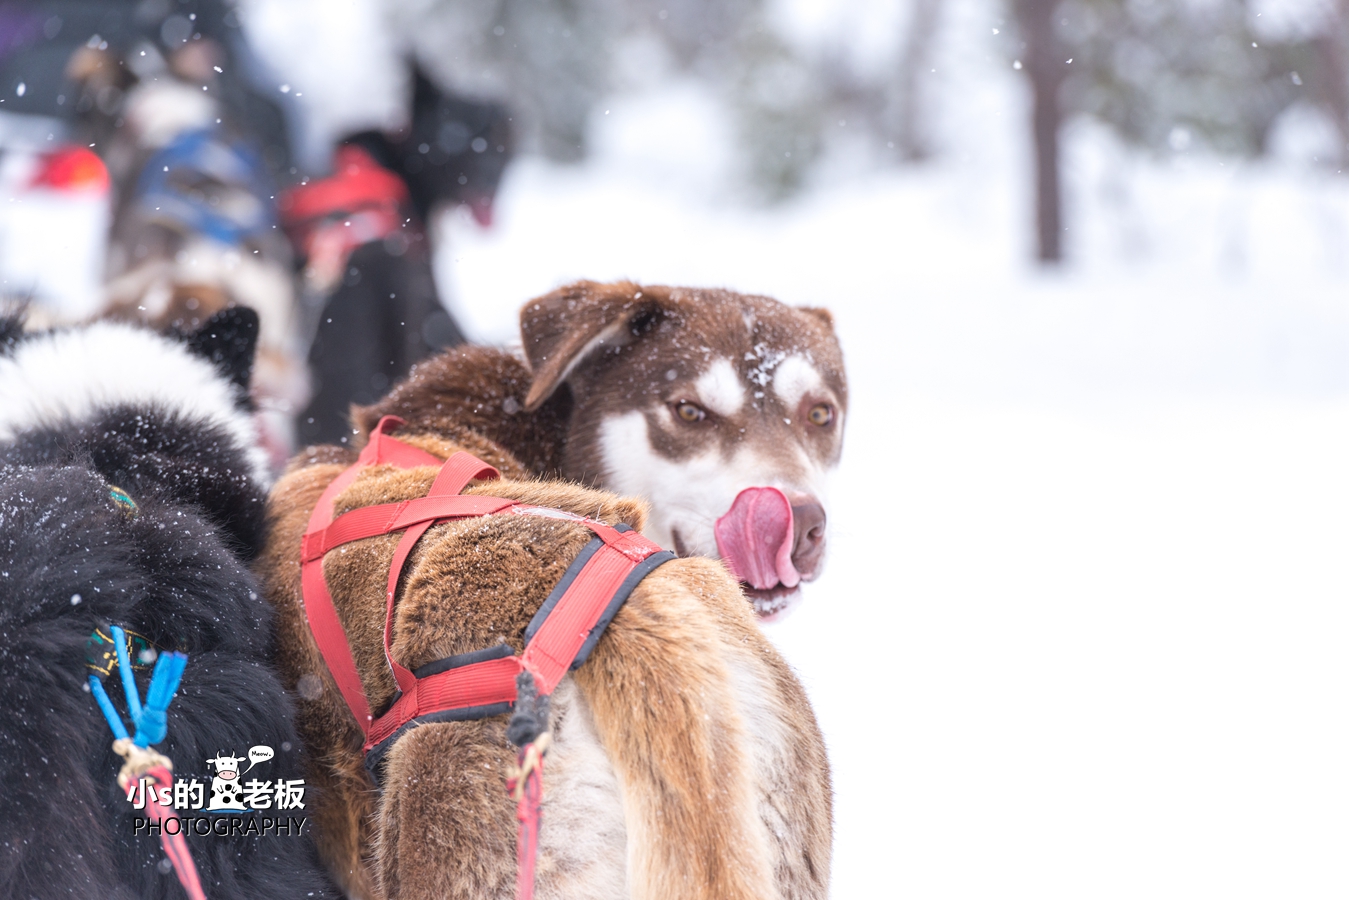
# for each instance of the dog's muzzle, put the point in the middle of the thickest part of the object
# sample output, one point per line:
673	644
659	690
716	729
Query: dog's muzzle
771	545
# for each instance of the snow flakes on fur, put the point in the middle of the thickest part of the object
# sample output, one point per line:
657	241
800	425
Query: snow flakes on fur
160	454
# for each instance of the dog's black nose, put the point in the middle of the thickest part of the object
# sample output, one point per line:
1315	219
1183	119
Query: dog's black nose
808	549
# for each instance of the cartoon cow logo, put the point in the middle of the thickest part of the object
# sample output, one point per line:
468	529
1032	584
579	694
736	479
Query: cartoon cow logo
226	791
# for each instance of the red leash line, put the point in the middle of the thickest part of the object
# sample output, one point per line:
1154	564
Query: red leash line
526	786
175	845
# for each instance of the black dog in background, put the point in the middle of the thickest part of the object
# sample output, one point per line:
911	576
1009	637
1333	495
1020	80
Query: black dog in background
362	233
90	417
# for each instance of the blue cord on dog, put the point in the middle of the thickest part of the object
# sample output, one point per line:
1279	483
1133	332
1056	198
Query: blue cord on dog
151	718
145	765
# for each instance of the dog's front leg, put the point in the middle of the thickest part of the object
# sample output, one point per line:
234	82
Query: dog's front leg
663	702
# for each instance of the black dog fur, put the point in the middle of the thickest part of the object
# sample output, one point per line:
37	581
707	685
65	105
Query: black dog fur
175	572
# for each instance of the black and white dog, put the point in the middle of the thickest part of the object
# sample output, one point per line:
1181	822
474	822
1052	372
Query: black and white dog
131	494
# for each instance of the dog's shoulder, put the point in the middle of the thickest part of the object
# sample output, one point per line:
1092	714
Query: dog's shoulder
320	455
310	471
466	384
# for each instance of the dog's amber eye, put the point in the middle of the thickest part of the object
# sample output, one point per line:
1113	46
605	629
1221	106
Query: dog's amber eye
821	414
690	412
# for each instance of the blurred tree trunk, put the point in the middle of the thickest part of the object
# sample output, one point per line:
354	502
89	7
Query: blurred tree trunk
1046	71
1331	84
914	63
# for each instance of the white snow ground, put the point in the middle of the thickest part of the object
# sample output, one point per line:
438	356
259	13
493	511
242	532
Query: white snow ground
1082	629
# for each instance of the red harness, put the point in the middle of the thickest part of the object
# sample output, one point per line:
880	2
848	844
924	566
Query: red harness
483	683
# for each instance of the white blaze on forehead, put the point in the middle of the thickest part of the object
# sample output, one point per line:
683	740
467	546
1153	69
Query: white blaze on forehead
794	378
720	389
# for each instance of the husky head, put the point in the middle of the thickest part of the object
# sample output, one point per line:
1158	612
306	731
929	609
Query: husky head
725	411
151	413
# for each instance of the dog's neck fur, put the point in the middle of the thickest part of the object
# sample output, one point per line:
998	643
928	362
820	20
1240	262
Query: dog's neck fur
481	394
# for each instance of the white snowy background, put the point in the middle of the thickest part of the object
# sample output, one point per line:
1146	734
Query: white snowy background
1083	632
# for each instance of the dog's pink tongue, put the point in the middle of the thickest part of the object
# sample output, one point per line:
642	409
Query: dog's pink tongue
755	539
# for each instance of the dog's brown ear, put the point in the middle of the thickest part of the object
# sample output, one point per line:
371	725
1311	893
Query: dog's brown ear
561	329
819	312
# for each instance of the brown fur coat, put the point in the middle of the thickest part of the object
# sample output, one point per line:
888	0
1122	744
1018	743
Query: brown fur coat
686	760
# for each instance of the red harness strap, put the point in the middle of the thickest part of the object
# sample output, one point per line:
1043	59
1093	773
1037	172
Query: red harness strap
559	638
